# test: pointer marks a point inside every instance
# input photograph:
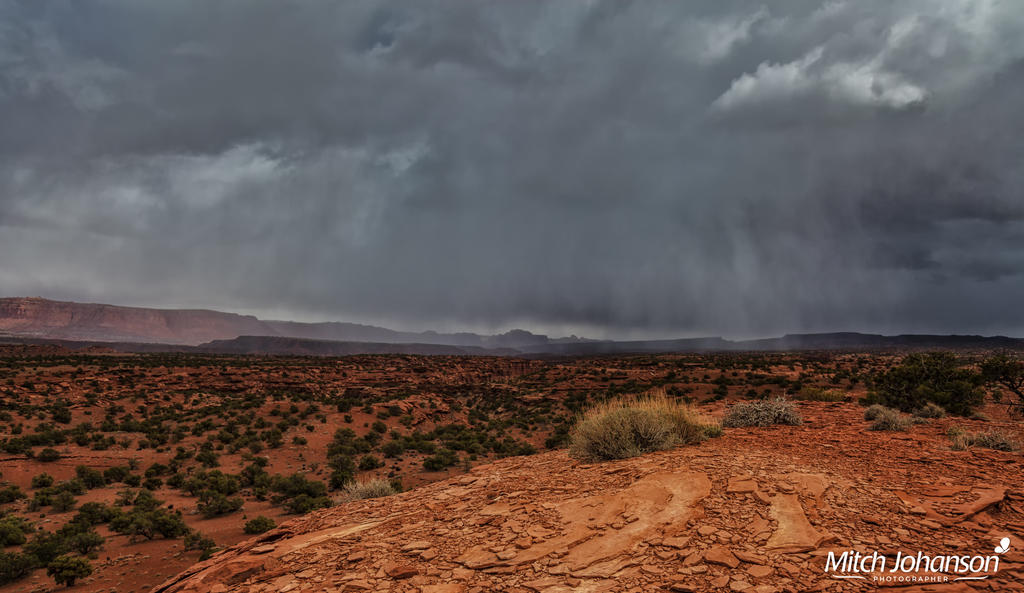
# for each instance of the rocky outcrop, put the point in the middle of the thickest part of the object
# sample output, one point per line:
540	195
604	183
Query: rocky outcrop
755	511
37	317
57	320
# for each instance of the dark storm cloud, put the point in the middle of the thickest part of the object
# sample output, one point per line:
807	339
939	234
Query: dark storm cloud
618	168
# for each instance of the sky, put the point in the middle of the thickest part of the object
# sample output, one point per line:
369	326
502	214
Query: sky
604	168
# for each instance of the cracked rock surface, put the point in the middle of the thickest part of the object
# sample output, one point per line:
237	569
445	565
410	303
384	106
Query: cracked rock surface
756	510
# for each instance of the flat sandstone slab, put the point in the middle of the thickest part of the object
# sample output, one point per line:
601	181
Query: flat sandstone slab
794	533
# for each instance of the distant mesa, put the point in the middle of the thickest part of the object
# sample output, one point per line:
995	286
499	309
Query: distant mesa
138	329
41	318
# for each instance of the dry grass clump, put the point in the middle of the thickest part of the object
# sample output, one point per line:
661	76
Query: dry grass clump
990	439
816	394
627	427
371	489
888	419
874	411
930	410
765	412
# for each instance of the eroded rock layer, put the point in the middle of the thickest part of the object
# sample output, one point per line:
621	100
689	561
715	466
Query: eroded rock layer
753	511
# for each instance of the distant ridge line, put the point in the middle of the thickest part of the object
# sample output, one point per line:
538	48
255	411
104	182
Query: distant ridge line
280	346
138	329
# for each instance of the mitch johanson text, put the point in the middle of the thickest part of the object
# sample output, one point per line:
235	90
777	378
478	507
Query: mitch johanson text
852	562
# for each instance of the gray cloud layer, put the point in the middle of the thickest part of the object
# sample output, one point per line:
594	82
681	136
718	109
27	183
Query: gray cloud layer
617	168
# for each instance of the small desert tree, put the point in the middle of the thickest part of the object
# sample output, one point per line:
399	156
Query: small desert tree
67	569
1006	373
85	542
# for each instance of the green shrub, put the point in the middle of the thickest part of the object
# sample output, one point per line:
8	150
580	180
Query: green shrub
392	449
933	377
443	459
208	458
61	413
762	413
48	455
40	499
197	541
149	523
11	493
215	480
1006	373
115	474
296	485
85	542
44	547
369	462
14	566
63	502
74	486
214	504
13	530
92	478
344	470
42	481
259	524
628	427
304	503
370	489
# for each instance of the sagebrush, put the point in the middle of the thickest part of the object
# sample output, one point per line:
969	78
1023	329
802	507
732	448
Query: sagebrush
989	439
762	413
874	411
370	489
889	420
816	394
930	410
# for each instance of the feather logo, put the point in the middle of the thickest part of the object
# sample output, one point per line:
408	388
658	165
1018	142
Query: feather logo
1004	545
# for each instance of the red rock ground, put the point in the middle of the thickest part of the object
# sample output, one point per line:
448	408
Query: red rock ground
443	390
756	510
